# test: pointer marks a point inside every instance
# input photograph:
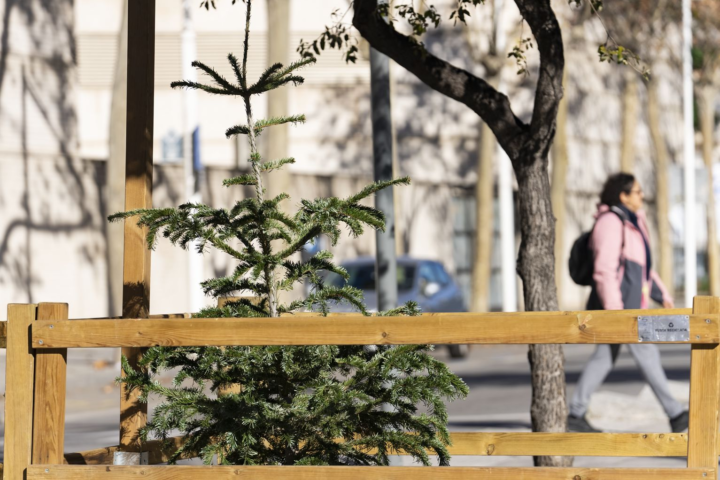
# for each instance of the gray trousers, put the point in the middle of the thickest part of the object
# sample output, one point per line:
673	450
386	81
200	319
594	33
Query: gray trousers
647	357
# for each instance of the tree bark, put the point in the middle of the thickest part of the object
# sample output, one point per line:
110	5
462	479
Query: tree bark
662	189
706	101
629	122
557	194
115	170
527	145
548	409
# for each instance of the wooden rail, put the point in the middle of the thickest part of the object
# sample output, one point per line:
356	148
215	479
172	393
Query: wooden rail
593	327
515	444
583	313
73	472
36	383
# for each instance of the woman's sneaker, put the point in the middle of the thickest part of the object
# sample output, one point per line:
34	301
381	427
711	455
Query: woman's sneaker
580	425
680	423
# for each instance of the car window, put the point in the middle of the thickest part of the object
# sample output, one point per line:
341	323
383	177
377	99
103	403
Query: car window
428	274
363	277
441	274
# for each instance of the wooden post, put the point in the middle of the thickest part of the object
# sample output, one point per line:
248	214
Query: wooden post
138	194
50	383
704	395
19	373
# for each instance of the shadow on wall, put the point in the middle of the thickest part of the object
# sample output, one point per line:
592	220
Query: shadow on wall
58	194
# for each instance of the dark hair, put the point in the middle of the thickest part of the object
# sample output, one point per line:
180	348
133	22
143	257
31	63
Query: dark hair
614	186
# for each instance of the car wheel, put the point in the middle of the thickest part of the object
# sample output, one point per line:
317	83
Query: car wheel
458	351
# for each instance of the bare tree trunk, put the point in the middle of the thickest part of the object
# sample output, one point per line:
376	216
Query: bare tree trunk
706	101
629	122
484	221
557	193
662	189
397	198
115	170
276	138
548	409
278	38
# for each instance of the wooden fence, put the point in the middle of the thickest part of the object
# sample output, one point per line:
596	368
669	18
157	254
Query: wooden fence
38	337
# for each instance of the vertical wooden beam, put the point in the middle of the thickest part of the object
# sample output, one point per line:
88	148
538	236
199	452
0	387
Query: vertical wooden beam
138	194
19	373
50	384
704	395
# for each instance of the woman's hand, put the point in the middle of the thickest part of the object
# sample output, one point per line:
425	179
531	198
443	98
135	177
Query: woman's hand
668	304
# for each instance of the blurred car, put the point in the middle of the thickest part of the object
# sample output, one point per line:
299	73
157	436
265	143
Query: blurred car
423	281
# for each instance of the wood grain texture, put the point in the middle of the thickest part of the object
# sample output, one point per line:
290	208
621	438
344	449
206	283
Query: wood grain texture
572	444
482	444
186	472
704	395
446	328
19	373
50	385
138	194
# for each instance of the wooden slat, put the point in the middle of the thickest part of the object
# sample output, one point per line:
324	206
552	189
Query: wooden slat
19	372
448	328
482	444
138	194
569	444
50	383
704	395
187	472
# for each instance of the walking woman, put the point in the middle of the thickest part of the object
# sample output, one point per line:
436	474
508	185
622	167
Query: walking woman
623	279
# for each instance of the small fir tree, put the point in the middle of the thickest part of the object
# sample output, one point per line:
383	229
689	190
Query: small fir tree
321	405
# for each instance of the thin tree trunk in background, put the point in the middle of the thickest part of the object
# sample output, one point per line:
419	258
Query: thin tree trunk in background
115	170
381	117
484	221
662	189
557	192
629	122
536	266
397	173
706	101
276	138
278	38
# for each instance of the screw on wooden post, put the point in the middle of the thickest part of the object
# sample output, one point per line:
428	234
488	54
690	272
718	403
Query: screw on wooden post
704	395
50	385
19	384
138	194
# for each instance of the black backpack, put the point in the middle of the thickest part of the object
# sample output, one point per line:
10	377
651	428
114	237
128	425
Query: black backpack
582	261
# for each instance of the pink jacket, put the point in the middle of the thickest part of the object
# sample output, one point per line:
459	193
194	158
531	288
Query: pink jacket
620	273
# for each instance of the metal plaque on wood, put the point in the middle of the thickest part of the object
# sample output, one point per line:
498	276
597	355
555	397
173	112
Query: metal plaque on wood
664	328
